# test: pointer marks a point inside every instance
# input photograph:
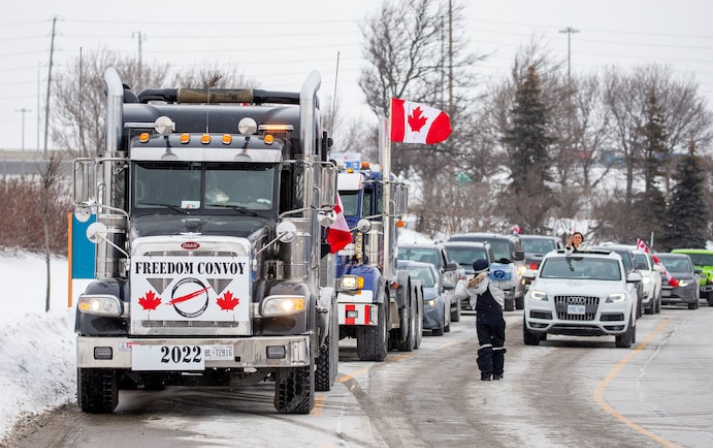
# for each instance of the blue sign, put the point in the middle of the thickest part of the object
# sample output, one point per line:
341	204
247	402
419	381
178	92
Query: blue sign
83	251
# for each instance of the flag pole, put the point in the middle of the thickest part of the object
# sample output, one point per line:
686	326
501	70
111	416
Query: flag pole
384	139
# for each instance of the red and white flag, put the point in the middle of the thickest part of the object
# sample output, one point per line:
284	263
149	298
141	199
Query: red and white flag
516	230
417	123
339	234
643	247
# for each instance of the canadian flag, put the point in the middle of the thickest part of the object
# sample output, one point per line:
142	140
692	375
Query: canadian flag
417	123
516	230
339	234
643	247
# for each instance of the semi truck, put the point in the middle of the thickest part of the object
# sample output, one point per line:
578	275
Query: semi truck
211	266
378	305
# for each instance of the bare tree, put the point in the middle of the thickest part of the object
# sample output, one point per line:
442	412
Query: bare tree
78	121
213	77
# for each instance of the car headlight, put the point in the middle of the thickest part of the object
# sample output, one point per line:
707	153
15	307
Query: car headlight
100	305
432	304
615	298
538	295
682	283
274	306
646	280
351	282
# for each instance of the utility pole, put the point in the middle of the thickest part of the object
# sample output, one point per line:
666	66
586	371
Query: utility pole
23	111
49	83
140	39
569	31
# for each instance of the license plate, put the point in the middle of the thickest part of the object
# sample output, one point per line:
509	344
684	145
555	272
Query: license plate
167	357
218	352
576	309
665	293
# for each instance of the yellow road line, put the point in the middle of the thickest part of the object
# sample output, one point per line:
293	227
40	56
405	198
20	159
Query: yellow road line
598	395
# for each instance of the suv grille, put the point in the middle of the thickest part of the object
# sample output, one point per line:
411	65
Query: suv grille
562	304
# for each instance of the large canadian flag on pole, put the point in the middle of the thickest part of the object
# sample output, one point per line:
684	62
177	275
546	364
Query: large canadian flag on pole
339	234
643	247
417	123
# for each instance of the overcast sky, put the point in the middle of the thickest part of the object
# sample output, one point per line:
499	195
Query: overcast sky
278	42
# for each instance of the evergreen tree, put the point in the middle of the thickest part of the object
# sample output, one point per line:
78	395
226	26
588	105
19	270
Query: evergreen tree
686	219
651	204
527	143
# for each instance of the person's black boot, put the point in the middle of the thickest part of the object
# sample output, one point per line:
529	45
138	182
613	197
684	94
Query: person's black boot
497	377
486	376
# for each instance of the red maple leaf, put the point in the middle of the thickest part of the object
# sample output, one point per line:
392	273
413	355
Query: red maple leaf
150	301
416	120
227	302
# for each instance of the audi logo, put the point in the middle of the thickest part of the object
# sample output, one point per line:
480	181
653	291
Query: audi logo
577	300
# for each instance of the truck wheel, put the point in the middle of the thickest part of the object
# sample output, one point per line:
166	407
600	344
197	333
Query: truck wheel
409	320
327	361
418	325
372	341
98	391
710	298
295	393
529	337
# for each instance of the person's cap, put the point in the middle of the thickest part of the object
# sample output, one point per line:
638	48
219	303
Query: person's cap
480	265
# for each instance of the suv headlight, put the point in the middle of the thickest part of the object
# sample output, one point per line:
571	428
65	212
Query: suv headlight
538	295
615	298
646	280
274	306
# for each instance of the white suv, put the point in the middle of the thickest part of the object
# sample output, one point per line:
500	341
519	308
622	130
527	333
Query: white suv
582	294
651	282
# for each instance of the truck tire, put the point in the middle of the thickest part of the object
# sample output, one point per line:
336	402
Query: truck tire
327	362
529	337
295	392
419	323
372	341
409	320
710	299
98	390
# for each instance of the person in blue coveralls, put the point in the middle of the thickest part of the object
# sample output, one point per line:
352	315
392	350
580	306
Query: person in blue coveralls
491	327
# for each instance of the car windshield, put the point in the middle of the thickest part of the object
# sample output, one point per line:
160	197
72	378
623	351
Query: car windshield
424	274
538	246
466	256
701	259
500	249
677	264
581	268
424	255
642	258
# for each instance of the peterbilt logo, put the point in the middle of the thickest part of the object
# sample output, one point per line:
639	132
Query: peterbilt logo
190	245
577	300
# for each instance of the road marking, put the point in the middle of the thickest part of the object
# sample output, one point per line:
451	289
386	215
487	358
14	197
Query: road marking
317	410
598	395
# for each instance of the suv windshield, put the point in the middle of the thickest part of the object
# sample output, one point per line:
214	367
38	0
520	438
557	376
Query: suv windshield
590	268
425	255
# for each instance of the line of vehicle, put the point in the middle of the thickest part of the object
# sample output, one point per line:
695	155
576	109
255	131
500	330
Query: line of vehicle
598	395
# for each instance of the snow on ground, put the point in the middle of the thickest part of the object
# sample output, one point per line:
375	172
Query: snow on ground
37	349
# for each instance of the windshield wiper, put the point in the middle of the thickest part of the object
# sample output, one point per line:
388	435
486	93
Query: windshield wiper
237	208
184	211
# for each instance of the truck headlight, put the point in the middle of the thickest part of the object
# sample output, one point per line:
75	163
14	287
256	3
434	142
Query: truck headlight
615	298
351	282
274	306
100	305
538	295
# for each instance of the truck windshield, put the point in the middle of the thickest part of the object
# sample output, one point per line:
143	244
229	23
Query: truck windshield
203	186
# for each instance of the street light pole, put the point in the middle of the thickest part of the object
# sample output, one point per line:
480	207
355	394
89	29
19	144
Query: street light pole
569	31
23	111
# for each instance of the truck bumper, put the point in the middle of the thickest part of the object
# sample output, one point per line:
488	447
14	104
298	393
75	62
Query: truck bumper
116	353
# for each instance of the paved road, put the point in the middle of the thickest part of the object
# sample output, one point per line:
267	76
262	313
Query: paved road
566	392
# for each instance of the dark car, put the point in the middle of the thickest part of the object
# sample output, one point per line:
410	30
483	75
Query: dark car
507	247
464	253
681	268
435	254
535	247
628	255
437	303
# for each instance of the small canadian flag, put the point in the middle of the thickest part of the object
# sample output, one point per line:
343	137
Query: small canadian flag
643	247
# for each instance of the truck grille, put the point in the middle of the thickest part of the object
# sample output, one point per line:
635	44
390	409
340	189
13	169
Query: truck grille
187	324
562	305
